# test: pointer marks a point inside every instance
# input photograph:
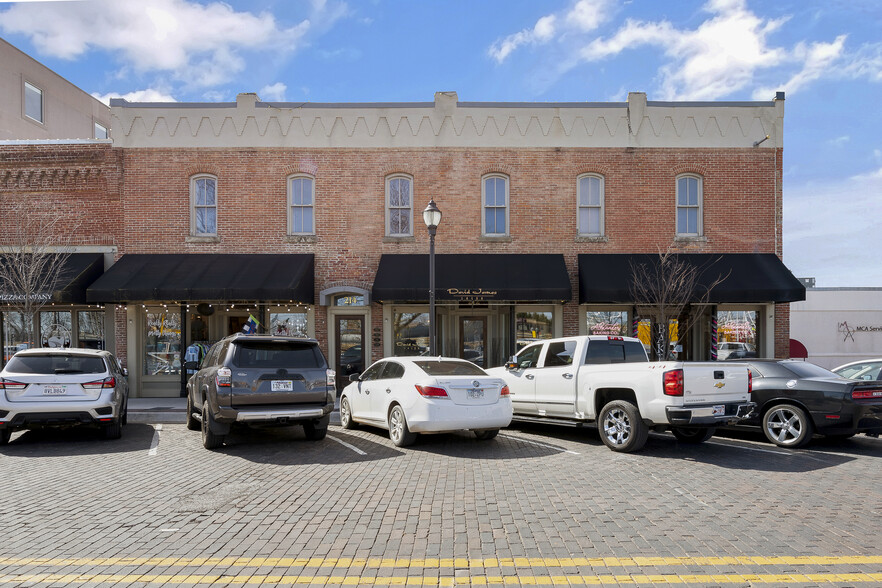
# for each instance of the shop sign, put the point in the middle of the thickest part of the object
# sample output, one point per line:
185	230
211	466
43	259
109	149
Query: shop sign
847	331
471	294
20	297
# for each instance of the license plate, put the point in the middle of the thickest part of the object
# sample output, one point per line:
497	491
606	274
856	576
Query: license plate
283	385
476	393
54	390
720	410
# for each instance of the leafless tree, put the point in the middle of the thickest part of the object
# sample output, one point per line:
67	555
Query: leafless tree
36	242
670	288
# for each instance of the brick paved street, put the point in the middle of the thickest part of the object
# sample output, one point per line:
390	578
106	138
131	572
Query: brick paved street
536	506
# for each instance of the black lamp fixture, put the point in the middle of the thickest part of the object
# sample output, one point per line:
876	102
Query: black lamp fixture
432	218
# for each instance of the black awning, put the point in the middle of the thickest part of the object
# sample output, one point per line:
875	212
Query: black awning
207	277
754	277
473	278
75	274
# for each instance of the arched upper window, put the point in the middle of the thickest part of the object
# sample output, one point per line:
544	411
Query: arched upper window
399	206
591	198
494	195
301	205
690	196
203	205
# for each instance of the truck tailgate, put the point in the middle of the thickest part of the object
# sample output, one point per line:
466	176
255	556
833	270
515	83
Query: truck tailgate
715	382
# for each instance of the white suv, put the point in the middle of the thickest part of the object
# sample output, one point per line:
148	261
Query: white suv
63	387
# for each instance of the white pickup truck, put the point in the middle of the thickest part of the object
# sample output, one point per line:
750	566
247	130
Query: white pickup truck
610	381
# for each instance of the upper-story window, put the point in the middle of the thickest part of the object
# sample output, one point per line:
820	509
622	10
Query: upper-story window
301	205
689	205
591	204
399	206
33	102
100	131
495	198
203	203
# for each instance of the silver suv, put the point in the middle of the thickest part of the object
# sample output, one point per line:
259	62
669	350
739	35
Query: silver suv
49	387
260	380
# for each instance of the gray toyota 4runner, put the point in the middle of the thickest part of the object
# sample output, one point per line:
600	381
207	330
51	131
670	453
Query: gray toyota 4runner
260	380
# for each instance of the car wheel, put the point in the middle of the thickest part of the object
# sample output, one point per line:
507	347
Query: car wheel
487	434
786	425
398	430
693	434
113	430
346	414
621	428
313	432
5	435
192	421
209	440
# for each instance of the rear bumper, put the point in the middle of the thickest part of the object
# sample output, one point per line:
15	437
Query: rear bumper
440	416
705	414
24	415
273	414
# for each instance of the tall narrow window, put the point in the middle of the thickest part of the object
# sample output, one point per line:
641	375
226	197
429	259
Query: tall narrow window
495	198
399	206
203	196
301	205
689	204
591	205
33	102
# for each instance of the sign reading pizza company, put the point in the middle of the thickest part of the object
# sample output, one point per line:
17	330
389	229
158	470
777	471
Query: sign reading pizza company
471	294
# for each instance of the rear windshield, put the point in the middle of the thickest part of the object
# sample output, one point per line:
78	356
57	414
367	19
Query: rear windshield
614	351
278	354
56	364
450	368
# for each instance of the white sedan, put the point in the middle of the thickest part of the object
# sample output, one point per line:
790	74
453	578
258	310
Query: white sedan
411	395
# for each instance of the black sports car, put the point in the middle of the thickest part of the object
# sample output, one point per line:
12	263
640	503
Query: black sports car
796	399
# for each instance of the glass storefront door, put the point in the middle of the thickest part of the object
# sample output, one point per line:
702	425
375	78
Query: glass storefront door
473	338
349	359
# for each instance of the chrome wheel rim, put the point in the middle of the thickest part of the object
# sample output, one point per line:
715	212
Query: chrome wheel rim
784	426
344	412
396	424
617	427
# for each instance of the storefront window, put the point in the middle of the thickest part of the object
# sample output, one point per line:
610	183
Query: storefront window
163	348
90	329
15	334
644	333
533	326
289	324
613	323
736	334
410	333
56	329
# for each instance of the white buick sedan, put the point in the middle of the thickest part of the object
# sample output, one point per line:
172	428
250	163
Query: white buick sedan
412	395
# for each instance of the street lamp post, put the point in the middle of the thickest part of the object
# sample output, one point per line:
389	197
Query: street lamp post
432	218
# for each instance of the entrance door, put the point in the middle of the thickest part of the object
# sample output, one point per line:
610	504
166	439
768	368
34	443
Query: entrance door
473	338
349	332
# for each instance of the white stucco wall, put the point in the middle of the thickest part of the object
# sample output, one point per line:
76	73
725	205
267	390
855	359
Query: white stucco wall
838	325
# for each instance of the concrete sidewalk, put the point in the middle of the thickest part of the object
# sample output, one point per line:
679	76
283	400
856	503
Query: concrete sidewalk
173	410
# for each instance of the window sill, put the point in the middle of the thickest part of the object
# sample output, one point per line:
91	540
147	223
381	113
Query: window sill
690	238
495	239
301	239
203	239
592	239
402	239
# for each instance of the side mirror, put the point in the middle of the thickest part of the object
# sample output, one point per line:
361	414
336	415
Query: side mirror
354	377
511	364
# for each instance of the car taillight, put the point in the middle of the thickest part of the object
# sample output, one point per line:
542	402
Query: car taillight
331	378
749	381
505	391
224	377
673	383
99	384
431	391
866	394
12	385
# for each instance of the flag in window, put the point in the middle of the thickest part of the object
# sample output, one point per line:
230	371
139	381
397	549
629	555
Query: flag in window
250	325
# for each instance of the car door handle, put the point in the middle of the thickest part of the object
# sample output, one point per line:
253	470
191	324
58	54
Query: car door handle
388	391
568	376
529	376
366	391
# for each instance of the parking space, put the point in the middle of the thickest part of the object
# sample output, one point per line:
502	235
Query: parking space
537	505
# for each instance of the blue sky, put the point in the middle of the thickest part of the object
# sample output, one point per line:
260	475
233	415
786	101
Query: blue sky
825	54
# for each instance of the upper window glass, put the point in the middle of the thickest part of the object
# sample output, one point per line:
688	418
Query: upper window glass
203	196
689	205
373	372
399	206
56	364
560	353
591	204
301	205
393	371
495	199
529	356
100	131
33	102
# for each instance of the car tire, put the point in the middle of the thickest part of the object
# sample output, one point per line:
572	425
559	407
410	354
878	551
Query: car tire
5	435
113	430
787	425
346	414
313	432
398	430
486	434
193	423
210	440
621	428
693	434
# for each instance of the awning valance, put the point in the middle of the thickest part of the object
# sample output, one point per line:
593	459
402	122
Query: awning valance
74	276
473	278
752	277
207	277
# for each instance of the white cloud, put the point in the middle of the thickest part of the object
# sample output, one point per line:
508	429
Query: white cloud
148	95
541	32
587	15
198	43
839	141
273	93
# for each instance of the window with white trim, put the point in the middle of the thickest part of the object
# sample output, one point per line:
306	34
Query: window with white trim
399	206
590	189
494	190
33	102
301	205
203	205
689	205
